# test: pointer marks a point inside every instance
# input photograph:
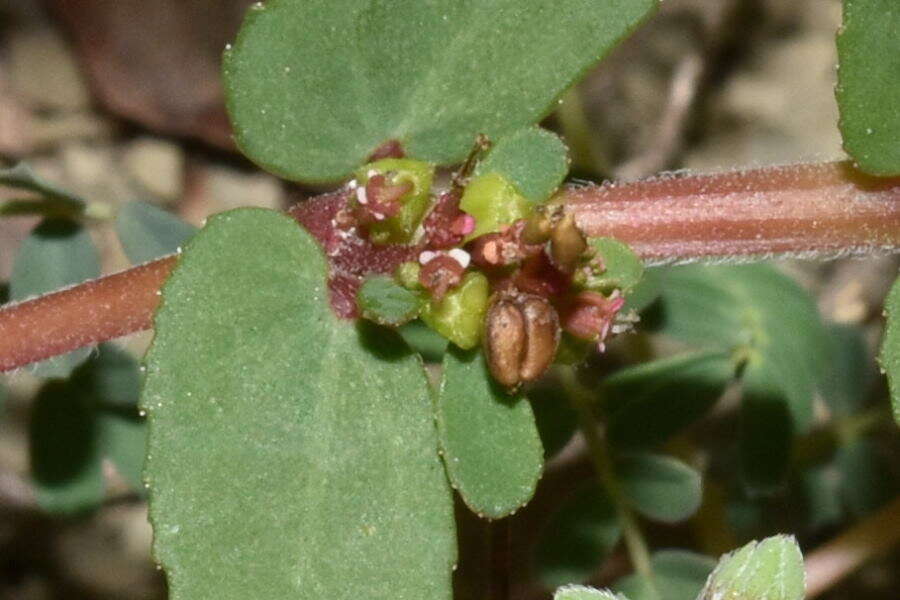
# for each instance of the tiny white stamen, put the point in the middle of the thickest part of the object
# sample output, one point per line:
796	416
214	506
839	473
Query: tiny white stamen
352	184
371	173
427	256
361	195
460	256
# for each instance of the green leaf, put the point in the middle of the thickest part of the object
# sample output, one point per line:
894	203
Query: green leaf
890	347
623	269
383	300
660	487
113	378
23	177
315	86
289	454
677	575
65	457
820	489
771	569
649	403
867	480
423	339
147	232
123	439
489	440
58	253
578	538
770	322
579	592
535	160
851	373
869	84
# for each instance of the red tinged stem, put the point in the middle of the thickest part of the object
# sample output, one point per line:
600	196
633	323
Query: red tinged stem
807	211
82	315
814	211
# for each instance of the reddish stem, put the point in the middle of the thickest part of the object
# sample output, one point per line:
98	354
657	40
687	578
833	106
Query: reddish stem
808	211
817	211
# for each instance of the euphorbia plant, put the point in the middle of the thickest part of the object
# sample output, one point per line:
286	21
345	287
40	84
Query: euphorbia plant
297	447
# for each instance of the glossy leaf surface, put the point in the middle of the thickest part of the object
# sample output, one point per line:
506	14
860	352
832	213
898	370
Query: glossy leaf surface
314	87
535	160
147	232
489	439
291	454
869	84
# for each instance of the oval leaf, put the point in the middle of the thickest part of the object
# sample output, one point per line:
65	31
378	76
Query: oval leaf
649	403
288	457
383	300
869	85
578	538
890	347
65	457
660	487
58	253
316	86
771	569
147	232
535	160
488	438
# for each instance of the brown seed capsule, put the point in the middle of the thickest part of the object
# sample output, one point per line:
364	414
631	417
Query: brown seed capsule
567	244
521	336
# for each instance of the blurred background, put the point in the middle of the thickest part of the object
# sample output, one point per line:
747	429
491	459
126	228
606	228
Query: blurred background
119	100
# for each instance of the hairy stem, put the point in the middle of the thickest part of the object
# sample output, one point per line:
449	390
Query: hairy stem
631	531
811	211
840	557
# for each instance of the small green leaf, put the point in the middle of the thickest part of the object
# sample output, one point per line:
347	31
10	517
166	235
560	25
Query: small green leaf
660	487
649	403
851	373
383	300
288	457
113	378
535	160
488	438
677	575
867	480
58	253
578	538
890	347
494	202
147	232
646	292
579	592
820	489
771	569
623	269
123	439
869	84
65	457
315	86
767	320
423	339
23	177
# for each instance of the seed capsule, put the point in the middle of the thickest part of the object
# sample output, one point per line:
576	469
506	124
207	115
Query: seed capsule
521	336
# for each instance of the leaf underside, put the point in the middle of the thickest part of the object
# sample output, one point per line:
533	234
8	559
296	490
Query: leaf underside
291	454
315	86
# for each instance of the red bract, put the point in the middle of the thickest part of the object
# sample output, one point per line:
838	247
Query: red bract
446	225
591	316
441	274
538	275
350	256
